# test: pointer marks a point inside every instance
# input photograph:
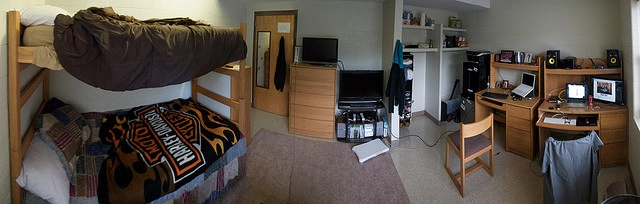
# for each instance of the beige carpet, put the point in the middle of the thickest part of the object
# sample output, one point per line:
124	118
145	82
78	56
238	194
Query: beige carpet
287	169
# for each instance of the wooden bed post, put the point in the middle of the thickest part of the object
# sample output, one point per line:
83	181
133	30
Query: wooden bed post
14	100
245	92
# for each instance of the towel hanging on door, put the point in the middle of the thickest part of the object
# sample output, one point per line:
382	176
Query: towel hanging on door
281	67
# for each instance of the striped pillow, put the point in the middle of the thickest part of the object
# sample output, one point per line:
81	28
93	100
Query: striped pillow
65	130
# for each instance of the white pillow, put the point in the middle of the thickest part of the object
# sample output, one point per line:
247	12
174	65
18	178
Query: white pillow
40	15
42	173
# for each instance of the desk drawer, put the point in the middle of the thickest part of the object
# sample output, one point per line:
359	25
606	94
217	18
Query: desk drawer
613	154
615	135
613	120
519	123
518	112
519	142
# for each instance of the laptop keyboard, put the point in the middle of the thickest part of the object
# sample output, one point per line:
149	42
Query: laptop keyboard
495	95
522	90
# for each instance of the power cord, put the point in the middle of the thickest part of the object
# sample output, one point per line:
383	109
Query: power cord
340	62
418	136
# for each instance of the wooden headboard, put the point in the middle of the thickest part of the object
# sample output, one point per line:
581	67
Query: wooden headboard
19	58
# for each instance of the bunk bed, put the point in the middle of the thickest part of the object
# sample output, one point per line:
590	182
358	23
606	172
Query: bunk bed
21	135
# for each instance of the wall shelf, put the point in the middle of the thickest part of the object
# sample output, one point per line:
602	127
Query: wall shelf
418	27
420	50
455	49
454	29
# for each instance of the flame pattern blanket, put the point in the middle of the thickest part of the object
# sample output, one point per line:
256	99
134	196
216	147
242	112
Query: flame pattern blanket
159	148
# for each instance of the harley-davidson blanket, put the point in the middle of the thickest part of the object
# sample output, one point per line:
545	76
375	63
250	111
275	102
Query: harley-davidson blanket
117	52
159	148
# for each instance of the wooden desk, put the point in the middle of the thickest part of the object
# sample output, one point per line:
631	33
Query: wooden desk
611	126
521	134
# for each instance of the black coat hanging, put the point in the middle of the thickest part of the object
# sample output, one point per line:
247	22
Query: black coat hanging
281	67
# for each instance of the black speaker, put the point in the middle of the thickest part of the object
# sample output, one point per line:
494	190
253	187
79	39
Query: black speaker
613	59
552	58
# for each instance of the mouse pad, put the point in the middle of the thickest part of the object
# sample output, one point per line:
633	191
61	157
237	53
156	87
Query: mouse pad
587	121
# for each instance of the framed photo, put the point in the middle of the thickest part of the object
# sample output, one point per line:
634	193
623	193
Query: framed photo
528	58
506	56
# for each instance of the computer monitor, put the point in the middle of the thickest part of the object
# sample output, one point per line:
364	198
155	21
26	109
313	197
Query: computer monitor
607	90
577	94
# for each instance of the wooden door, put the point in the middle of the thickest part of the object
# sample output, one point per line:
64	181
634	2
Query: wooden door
269	28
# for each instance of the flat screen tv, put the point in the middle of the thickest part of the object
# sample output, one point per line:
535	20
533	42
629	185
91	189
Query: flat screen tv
322	51
607	90
361	86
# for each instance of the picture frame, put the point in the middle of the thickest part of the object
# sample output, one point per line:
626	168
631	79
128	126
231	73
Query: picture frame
506	56
528	58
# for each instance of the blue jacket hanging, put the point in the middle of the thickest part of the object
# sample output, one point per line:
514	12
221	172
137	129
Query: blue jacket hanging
396	86
281	67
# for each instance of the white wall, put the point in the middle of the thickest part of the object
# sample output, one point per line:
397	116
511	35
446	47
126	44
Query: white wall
87	98
356	24
580	28
630	12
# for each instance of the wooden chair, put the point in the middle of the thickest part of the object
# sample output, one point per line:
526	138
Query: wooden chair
474	144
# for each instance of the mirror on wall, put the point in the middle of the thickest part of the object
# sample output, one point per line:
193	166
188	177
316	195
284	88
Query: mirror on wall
263	56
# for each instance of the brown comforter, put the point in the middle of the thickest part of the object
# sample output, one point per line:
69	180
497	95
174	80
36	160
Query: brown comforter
118	53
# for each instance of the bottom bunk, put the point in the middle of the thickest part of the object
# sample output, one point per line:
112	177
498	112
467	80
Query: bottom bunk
177	151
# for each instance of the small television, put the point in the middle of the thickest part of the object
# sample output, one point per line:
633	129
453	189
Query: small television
607	90
361	86
322	51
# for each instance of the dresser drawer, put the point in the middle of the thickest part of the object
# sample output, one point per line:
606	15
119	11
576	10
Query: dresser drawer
327	88
311	127
315	113
518	112
613	135
315	100
522	124
314	75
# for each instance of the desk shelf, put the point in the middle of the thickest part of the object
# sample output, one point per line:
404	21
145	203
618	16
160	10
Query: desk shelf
524	67
583	71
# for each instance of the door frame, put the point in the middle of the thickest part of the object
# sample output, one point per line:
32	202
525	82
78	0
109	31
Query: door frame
255	40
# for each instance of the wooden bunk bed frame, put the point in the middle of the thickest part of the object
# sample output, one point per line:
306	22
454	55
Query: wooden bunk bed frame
19	58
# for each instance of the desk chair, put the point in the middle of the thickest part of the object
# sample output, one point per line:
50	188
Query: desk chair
474	144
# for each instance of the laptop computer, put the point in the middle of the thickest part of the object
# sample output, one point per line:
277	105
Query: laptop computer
577	95
527	83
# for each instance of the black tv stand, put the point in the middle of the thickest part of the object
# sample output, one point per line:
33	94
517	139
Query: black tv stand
360	122
360	105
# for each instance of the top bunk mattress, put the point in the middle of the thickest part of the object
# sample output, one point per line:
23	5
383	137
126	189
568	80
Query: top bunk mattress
118	53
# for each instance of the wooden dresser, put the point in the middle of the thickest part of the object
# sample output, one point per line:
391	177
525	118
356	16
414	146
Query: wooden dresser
312	100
